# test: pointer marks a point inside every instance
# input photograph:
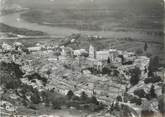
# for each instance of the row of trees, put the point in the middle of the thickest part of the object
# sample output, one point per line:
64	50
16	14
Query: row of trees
71	100
57	101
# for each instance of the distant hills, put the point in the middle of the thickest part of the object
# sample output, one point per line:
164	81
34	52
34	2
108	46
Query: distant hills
86	3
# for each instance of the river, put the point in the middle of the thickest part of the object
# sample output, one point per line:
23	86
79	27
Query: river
16	21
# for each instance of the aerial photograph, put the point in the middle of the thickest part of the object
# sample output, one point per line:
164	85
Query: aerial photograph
82	58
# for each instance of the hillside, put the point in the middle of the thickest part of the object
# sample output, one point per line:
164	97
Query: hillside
19	31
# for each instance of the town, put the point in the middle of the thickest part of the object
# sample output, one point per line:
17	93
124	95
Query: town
116	78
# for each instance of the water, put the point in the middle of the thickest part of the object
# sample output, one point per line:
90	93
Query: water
16	21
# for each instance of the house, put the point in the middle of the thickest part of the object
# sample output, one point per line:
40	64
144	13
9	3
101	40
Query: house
128	56
142	62
160	73
18	46
6	47
95	63
80	52
34	49
66	51
102	55
113	55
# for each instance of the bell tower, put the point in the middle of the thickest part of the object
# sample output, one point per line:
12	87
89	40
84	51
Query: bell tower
92	52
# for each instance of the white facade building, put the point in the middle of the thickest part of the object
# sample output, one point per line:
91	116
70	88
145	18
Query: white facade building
79	52
92	52
6	47
33	49
142	62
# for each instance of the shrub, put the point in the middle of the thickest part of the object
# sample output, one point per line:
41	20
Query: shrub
106	70
152	80
135	76
37	76
108	60
11	68
94	100
83	96
35	98
13	84
140	93
152	92
119	98
136	100
153	65
70	94
10	75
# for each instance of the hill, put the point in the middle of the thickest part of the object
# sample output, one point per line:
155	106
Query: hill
19	31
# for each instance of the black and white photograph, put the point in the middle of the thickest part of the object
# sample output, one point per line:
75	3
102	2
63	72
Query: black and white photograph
82	58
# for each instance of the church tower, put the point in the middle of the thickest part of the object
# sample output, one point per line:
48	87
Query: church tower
92	52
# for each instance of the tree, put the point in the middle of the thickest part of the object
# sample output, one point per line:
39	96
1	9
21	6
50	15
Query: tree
83	96
145	46
140	93
119	98
48	72
163	89
108	61
94	100
106	70
70	94
10	75
152	92
152	80
161	105
13	84
153	65
35	98
135	76
161	101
